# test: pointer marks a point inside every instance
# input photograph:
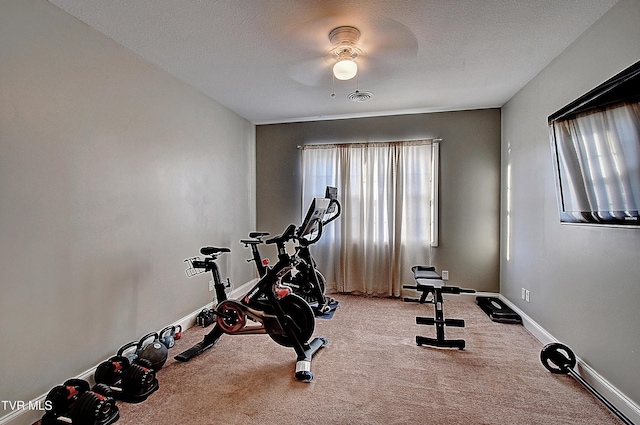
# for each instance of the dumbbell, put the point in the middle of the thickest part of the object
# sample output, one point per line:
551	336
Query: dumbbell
96	406
139	378
131	382
62	397
74	402
559	359
110	371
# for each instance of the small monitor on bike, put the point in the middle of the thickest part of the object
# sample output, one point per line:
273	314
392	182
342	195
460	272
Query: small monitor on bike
315	213
332	194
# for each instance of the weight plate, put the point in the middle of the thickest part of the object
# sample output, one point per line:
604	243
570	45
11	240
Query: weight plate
232	319
557	358
302	317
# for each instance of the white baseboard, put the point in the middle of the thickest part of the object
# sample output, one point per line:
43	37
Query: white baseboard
29	416
623	403
614	396
627	406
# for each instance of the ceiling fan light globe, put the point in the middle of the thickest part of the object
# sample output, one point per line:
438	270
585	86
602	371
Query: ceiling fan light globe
345	69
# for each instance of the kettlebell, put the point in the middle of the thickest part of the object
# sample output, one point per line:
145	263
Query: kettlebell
156	352
130	355
178	333
167	336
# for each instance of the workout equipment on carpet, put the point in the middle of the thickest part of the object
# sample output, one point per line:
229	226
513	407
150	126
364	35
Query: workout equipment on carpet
559	359
308	281
150	347
74	402
131	379
497	310
255	239
167	336
285	317
304	279
154	351
126	351
205	317
428	281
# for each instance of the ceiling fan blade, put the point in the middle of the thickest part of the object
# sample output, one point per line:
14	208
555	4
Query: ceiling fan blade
311	72
386	38
309	57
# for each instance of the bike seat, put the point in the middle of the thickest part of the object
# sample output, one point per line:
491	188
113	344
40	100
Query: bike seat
258	234
250	241
209	250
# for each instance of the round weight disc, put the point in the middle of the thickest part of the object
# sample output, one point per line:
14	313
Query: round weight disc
233	318
132	380
138	379
104	409
302	315
103	390
84	411
557	358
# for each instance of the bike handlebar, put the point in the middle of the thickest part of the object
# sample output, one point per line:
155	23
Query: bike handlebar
334	216
284	237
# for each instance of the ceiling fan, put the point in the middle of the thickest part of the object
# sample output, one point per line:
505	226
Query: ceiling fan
345	51
344	42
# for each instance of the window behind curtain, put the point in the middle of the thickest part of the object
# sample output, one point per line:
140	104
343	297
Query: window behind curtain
387	197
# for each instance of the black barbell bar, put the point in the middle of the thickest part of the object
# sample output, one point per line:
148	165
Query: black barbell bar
560	359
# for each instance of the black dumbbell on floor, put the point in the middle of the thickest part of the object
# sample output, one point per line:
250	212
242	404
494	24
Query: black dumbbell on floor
74	402
131	378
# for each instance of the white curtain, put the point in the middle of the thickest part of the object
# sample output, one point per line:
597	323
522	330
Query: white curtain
385	190
603	146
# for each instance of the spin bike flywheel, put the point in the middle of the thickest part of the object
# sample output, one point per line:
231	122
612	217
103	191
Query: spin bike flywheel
302	287
232	318
303	318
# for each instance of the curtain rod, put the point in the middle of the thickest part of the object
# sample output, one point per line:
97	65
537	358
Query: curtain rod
435	140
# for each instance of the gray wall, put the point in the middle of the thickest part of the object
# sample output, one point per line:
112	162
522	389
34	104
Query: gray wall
469	180
111	173
584	281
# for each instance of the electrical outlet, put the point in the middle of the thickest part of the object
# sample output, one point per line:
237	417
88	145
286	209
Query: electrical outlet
526	295
523	294
445	274
211	285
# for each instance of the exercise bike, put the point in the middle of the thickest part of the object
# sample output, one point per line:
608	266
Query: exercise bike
270	306
304	278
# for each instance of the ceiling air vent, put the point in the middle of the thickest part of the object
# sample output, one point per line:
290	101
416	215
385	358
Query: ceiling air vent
360	96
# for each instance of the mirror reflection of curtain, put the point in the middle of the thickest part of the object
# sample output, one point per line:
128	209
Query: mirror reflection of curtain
602	148
384	229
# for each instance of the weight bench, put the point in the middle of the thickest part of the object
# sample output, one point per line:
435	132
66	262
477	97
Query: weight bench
428	281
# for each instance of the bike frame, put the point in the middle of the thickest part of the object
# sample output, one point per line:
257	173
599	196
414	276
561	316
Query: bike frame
262	304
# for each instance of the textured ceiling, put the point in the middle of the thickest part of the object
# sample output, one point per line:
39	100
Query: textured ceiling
267	60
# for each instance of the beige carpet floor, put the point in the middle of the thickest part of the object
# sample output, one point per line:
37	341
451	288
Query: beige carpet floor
371	372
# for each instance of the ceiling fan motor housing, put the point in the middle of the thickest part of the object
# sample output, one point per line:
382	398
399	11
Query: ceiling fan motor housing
344	40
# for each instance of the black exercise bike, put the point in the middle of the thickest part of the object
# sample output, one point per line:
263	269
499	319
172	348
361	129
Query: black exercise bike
304	278
271	307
